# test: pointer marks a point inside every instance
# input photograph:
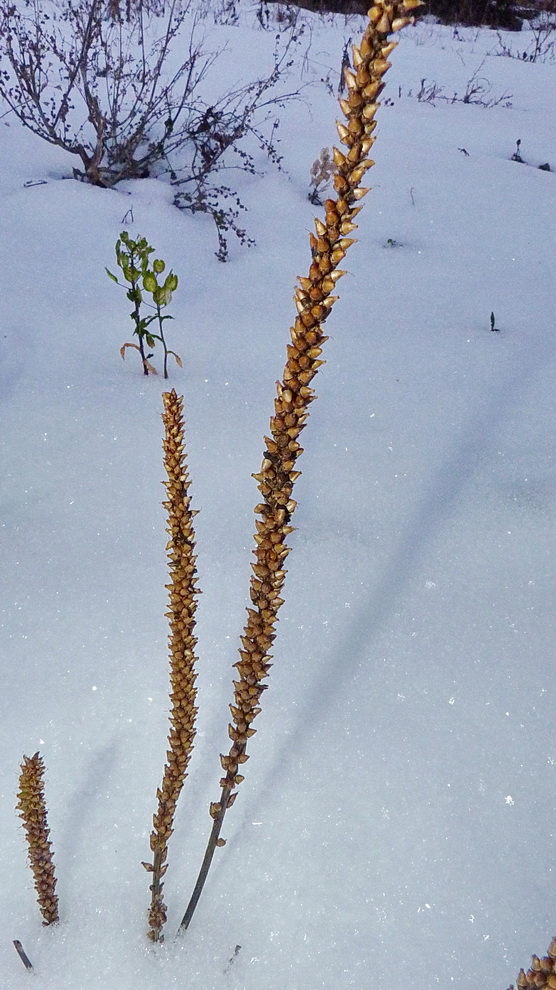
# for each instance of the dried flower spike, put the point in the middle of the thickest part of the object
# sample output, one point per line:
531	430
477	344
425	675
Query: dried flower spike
278	472
32	811
541	973
182	605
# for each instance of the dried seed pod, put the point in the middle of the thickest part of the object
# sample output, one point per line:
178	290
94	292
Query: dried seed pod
388	49
343	132
383	24
400	22
339	158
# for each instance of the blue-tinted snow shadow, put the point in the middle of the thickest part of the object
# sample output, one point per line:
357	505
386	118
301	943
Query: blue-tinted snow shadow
476	444
84	804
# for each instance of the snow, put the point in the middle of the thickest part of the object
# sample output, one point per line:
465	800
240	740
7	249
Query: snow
395	827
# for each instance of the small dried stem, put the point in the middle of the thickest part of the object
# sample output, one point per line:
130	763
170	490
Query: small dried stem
22	954
276	479
32	811
182	605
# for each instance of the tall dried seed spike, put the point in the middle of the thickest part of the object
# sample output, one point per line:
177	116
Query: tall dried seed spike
277	475
182	605
32	811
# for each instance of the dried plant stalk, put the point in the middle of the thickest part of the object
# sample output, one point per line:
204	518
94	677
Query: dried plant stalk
182	605
276	479
542	972
32	810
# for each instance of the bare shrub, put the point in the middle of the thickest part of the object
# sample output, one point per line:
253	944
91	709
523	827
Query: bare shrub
99	79
541	46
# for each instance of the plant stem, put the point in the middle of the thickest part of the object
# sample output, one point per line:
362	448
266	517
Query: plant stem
160	324
22	954
207	860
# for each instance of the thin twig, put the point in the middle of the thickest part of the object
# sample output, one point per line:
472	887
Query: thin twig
22	954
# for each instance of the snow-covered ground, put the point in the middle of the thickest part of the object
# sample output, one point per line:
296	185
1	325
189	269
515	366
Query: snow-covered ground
396	825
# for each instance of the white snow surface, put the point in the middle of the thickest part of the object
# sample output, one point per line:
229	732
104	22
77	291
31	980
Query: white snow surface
396	825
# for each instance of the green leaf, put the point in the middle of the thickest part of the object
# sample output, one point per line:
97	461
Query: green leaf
149	282
159	266
110	275
171	282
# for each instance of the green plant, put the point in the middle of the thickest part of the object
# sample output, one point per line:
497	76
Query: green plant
133	259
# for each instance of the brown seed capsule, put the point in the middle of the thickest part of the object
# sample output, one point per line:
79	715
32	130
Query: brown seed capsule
387	50
339	160
362	76
337	256
343	133
374	15
372	90
359	171
399	22
383	24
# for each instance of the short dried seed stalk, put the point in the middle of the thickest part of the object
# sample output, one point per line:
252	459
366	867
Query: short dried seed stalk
32	810
182	605
542	972
276	479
